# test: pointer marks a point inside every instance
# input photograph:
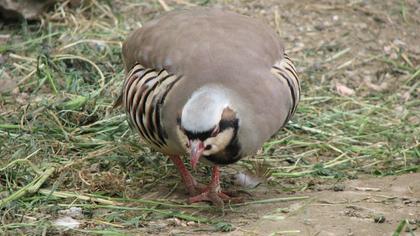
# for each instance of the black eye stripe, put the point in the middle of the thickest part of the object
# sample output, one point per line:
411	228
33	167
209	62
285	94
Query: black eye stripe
198	135
223	125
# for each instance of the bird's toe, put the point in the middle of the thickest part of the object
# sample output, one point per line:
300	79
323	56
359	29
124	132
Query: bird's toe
216	198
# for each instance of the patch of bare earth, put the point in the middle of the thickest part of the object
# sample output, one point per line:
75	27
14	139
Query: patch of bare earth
367	206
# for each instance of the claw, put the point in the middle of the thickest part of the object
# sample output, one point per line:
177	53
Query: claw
195	188
200	193
213	192
216	198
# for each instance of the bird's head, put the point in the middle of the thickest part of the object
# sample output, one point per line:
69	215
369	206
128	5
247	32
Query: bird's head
208	126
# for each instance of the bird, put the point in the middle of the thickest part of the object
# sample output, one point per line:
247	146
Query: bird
209	84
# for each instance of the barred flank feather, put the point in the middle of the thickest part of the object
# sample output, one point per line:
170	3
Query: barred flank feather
143	95
286	71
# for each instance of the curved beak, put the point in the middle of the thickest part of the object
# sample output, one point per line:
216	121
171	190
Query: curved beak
197	148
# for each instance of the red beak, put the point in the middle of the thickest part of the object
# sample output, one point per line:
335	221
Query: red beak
197	148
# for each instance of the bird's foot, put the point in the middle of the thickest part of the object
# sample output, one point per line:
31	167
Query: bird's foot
194	188
213	193
217	198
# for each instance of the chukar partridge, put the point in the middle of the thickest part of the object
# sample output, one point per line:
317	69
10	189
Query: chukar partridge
208	83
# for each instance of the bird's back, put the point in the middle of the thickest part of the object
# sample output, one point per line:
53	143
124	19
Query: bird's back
213	40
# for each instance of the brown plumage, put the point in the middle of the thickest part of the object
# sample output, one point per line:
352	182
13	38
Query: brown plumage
210	83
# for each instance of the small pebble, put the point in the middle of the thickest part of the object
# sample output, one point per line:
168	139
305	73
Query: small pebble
339	187
66	222
284	210
379	219
191	223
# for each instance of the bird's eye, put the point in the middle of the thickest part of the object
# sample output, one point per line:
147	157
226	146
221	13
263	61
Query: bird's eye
208	147
187	144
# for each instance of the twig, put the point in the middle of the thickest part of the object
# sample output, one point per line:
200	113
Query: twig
69	56
317	131
326	166
31	188
164	5
62	194
272	200
166	213
25	160
367	189
337	55
97	41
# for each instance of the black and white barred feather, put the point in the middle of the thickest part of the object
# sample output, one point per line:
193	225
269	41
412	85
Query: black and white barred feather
285	71
144	93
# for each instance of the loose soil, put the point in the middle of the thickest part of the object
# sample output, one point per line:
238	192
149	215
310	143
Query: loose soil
365	206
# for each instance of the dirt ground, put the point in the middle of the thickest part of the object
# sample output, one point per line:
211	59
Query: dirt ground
352	56
352	211
366	206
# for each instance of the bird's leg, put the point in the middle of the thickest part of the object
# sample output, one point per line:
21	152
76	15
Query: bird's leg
189	181
213	192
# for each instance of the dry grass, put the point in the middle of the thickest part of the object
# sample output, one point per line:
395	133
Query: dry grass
62	145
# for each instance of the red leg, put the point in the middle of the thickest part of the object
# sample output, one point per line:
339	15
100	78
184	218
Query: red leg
213	192
186	176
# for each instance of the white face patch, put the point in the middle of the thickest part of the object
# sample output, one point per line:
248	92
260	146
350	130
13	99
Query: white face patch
219	142
204	109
